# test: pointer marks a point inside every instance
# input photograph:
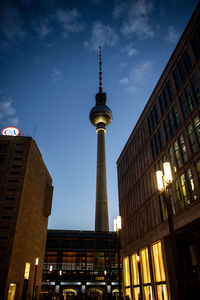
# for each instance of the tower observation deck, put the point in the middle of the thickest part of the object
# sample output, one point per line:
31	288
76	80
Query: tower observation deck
100	117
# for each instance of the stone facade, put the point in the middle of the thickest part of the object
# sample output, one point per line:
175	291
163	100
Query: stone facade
25	204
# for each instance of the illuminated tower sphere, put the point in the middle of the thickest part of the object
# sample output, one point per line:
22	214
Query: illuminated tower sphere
100	117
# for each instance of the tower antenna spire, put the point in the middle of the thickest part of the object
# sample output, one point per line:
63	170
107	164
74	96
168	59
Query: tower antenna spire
100	71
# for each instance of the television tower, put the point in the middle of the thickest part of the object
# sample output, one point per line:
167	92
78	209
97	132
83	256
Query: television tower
100	117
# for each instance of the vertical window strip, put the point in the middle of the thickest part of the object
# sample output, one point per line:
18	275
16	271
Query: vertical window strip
126	271
167	132
181	70
196	122
187	61
178	195
195	88
192	138
172	158
170	90
161	138
176	79
166	97
156	113
196	46
178	154
183	148
198	168
162	105
183	189
176	117
184	106
190	98
191	185
171	123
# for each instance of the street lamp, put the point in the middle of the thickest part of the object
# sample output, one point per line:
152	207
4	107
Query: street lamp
117	228
34	287
164	181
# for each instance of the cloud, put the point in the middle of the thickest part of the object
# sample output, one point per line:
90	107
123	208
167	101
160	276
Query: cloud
124	80
136	19
101	35
42	28
69	20
11	25
57	75
7	111
130	50
139	76
171	36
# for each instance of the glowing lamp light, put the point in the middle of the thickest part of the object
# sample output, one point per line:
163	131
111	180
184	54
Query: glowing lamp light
160	184
167	172
14	131
36	261
117	223
105	273
60	272
51	268
138	258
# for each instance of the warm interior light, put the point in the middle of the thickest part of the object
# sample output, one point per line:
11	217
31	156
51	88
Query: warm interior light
117	223
159	176
167	172
36	261
27	270
60	272
51	268
105	272
138	258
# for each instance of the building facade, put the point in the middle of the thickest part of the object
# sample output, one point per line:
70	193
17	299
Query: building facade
80	265
25	204
161	249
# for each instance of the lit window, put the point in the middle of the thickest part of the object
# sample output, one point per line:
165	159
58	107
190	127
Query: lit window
145	266
178	195
172	157
11	291
183	189
27	271
159	271
191	184
126	271
134	270
197	127
183	148
178	153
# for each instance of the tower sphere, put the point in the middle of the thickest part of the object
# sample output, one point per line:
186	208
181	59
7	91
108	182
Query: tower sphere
100	113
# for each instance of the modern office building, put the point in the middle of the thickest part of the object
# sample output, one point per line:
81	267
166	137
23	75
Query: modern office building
25	204
80	265
161	230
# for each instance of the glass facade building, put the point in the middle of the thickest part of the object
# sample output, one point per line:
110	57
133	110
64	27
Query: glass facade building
161	249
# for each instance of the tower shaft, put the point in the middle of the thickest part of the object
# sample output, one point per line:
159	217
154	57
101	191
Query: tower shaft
101	214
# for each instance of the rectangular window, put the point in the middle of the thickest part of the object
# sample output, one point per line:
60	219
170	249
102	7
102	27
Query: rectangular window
171	123
134	270
178	154
157	142
153	118
163	209
184	106
17	158
27	270
172	158
192	138
183	148
158	265
176	117
145	266
190	98
171	200
11	291
195	88
167	132
198	168
190	182
1	160
166	97
3	147
162	105
176	79
156	112
181	70
150	124
161	138
126	271
170	90
183	189
196	46
187	61
153	148
179	196
197	127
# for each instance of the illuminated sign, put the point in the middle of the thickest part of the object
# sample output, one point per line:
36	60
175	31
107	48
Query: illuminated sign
10	131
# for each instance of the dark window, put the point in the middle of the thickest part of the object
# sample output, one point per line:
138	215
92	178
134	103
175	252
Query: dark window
162	105
190	98
176	79
6	217
17	158
8	207
184	106
14	173
11	190
19	151
170	90
150	124
13	180
157	142
166	97
4	227
16	166
153	147
176	117
179	195
171	123
9	198
196	46
3	147
1	160
187	61
166	127
3	238
156	112
181	70
20	144
161	138
153	118
195	88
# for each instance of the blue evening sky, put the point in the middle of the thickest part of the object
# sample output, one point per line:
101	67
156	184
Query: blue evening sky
49	78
